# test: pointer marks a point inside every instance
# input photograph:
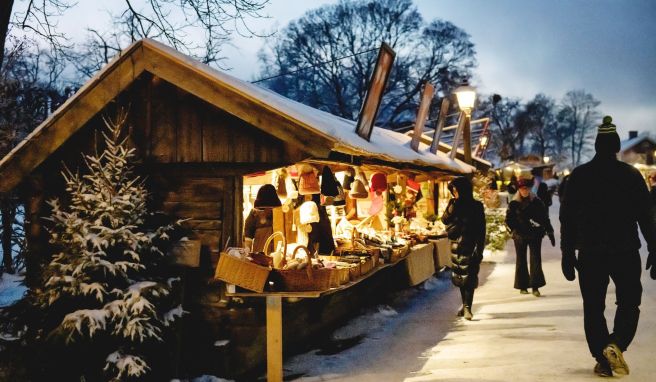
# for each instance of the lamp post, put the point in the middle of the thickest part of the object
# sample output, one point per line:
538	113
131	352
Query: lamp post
466	96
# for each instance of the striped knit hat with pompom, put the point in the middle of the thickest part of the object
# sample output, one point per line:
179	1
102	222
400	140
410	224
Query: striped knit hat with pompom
607	141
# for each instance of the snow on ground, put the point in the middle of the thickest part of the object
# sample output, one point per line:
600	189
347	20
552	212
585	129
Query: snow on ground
512	336
11	289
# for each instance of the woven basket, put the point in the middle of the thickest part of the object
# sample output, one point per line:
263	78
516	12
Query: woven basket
284	246
240	272
308	279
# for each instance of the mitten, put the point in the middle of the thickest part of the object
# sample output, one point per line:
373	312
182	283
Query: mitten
552	238
651	263
568	264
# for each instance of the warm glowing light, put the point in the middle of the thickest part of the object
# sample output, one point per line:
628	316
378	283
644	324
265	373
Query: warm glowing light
466	97
484	140
546	159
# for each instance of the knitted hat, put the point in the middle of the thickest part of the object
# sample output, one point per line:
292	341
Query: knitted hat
308	213
267	197
412	186
348	178
607	141
358	190
525	182
378	182
328	182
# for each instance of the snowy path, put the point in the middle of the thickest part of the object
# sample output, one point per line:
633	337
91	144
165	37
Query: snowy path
512	337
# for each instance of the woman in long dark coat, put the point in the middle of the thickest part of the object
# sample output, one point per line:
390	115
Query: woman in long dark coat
528	220
465	221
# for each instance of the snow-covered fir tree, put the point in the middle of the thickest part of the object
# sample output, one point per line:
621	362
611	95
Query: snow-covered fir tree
105	294
496	233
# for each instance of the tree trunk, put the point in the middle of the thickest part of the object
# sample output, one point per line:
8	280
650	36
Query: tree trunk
8	214
5	16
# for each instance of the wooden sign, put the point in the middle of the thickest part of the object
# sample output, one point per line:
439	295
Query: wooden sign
374	94
422	114
439	127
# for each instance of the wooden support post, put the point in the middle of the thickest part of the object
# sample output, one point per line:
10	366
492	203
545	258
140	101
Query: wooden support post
274	338
461	125
466	136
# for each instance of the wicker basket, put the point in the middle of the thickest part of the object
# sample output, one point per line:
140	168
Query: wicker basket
240	272
308	279
355	271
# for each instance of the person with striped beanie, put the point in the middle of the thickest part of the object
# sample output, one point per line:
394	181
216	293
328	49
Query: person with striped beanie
604	203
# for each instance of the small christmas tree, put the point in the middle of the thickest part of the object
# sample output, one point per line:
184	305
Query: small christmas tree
495	217
106	297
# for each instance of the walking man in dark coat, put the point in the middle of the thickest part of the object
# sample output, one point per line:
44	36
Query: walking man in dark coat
604	202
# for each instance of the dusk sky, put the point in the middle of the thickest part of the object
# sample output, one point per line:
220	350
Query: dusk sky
524	47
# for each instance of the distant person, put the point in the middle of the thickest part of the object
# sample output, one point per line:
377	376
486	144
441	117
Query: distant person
652	185
465	221
528	221
512	188
604	201
541	189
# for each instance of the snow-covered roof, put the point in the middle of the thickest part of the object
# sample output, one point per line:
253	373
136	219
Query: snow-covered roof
226	92
632	142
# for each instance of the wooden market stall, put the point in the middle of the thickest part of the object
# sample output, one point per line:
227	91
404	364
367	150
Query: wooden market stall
197	133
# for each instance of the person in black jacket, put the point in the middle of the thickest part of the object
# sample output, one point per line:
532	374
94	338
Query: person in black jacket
604	201
528	220
465	221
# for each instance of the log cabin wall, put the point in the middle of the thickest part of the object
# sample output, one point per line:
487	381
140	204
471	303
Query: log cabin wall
193	157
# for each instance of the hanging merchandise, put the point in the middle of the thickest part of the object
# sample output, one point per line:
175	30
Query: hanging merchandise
308	181
332	192
376	204
281	185
349	177
309	213
358	190
378	183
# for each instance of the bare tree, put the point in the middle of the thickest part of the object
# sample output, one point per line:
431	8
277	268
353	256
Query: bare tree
330	52
540	116
507	135
196	27
578	116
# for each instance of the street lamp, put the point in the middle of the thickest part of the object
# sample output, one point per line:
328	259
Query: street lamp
546	159
466	96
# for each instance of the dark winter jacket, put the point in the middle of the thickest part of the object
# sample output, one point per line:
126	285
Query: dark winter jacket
465	222
604	202
527	218
544	194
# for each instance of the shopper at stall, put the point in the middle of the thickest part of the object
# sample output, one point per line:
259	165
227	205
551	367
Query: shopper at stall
604	203
465	221
528	222
259	223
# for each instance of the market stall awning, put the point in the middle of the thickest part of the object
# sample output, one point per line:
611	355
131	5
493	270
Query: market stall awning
316	132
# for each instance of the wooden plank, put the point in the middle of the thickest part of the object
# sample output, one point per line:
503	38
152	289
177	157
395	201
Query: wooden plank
164	123
195	210
243	106
190	126
209	238
196	189
197	224
216	142
274	338
71	116
441	119
422	114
